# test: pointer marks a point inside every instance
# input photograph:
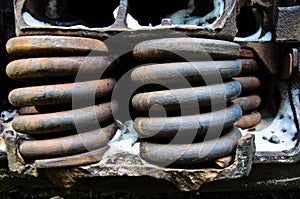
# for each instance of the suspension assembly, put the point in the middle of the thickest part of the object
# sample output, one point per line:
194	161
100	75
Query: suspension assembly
205	78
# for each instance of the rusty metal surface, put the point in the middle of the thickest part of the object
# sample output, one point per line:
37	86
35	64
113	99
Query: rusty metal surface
190	153
69	145
28	110
248	83
75	160
249	120
53	45
248	103
249	66
56	66
130	164
187	125
287	25
194	48
60	93
184	180
246	53
271	59
183	71
223	28
62	121
187	97
188	180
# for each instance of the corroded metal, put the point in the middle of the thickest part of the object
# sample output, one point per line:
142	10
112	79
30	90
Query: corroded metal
69	145
75	160
224	27
248	83
287	29
56	66
190	153
187	48
65	120
187	125
249	120
246	53
28	110
61	93
172	179
249	66
53	45
248	103
193	97
268	59
185	71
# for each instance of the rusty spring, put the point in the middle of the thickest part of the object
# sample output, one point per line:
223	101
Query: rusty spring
249	99
60	56
197	70
48	58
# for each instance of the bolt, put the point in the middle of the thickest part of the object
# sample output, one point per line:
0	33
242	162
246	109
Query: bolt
274	139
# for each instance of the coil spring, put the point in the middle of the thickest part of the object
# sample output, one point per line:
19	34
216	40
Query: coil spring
249	99
196	72
46	59
68	56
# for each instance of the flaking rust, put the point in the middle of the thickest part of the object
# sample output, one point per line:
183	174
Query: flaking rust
128	164
124	154
224	27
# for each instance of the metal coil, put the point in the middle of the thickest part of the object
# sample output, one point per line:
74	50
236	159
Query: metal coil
187	125
192	72
186	71
69	56
249	120
63	121
61	93
161	154
71	161
173	99
246	53
248	83
28	110
249	66
200	69
169	48
56	66
53	45
248	103
71	150
69	145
